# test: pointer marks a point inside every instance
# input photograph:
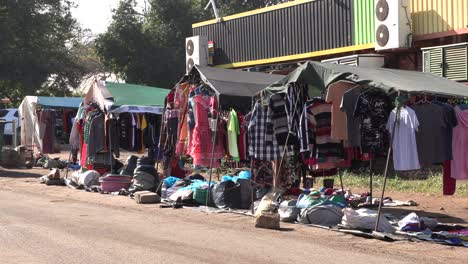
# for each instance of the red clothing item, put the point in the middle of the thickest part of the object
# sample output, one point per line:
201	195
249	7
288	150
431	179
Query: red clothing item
450	184
241	144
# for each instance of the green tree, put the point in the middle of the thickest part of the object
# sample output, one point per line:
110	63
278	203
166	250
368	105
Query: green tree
39	44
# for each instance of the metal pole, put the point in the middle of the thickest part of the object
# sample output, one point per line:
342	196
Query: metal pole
111	157
370	180
397	116
161	127
213	150
15	134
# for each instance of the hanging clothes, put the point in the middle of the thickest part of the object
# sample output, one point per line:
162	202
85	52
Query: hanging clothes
242	137
405	152
353	122
459	165
233	132
431	132
326	152
451	122
202	141
374	107
335	92
182	92
449	183
262	141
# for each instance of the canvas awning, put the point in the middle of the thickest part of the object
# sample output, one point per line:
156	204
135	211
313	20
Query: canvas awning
59	102
123	97
320	75
234	87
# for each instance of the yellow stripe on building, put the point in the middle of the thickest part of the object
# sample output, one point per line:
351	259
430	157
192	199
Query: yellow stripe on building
302	56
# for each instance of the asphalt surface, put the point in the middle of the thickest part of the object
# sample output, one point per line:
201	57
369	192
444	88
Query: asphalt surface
36	229
52	224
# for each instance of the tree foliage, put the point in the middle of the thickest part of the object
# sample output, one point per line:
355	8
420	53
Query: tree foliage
149	48
40	48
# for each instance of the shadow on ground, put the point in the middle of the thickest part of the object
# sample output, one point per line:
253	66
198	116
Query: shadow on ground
18	173
441	217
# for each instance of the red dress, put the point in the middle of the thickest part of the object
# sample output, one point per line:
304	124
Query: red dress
201	139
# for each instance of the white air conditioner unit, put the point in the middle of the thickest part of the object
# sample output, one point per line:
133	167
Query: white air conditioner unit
196	51
362	60
392	24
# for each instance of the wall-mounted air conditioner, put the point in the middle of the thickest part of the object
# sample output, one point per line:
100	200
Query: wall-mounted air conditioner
196	51
392	24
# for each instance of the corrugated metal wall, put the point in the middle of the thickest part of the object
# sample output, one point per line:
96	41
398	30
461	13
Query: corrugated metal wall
364	22
308	27
434	16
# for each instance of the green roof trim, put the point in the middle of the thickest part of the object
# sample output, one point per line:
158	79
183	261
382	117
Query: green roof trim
59	102
132	94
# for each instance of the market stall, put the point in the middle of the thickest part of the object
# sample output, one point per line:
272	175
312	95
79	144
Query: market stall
117	116
325	115
204	115
46	120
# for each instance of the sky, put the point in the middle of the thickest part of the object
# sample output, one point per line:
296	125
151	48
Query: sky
96	15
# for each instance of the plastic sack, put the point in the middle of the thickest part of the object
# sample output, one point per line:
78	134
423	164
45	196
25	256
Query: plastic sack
305	201
365	219
227	195
266	214
288	211
245	193
130	166
89	178
227	178
410	223
324	215
170	181
143	181
246	175
183	195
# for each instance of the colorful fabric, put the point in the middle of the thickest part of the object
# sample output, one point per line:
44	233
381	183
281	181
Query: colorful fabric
262	142
233	132
374	107
459	164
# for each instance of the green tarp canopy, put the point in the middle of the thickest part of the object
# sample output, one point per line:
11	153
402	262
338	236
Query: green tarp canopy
136	95
319	75
59	102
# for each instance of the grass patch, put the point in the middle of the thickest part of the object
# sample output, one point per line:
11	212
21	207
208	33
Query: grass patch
432	185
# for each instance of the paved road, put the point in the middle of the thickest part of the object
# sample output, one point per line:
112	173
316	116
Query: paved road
38	229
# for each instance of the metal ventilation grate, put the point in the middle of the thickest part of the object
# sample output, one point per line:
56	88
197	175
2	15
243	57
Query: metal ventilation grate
456	62
436	62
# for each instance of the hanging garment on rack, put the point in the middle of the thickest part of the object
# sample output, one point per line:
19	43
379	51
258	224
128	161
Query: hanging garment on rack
353	123
339	130
327	151
182	103
449	183
47	126
374	107
296	98
202	141
451	122
405	152
459	164
242	137
262	141
125	124
431	132
233	132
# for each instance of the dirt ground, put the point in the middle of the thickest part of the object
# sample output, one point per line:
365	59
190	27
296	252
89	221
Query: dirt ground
186	227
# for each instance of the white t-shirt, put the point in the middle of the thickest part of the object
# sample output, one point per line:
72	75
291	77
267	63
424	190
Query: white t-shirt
405	151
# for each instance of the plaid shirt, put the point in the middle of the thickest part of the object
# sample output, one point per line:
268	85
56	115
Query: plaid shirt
262	141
